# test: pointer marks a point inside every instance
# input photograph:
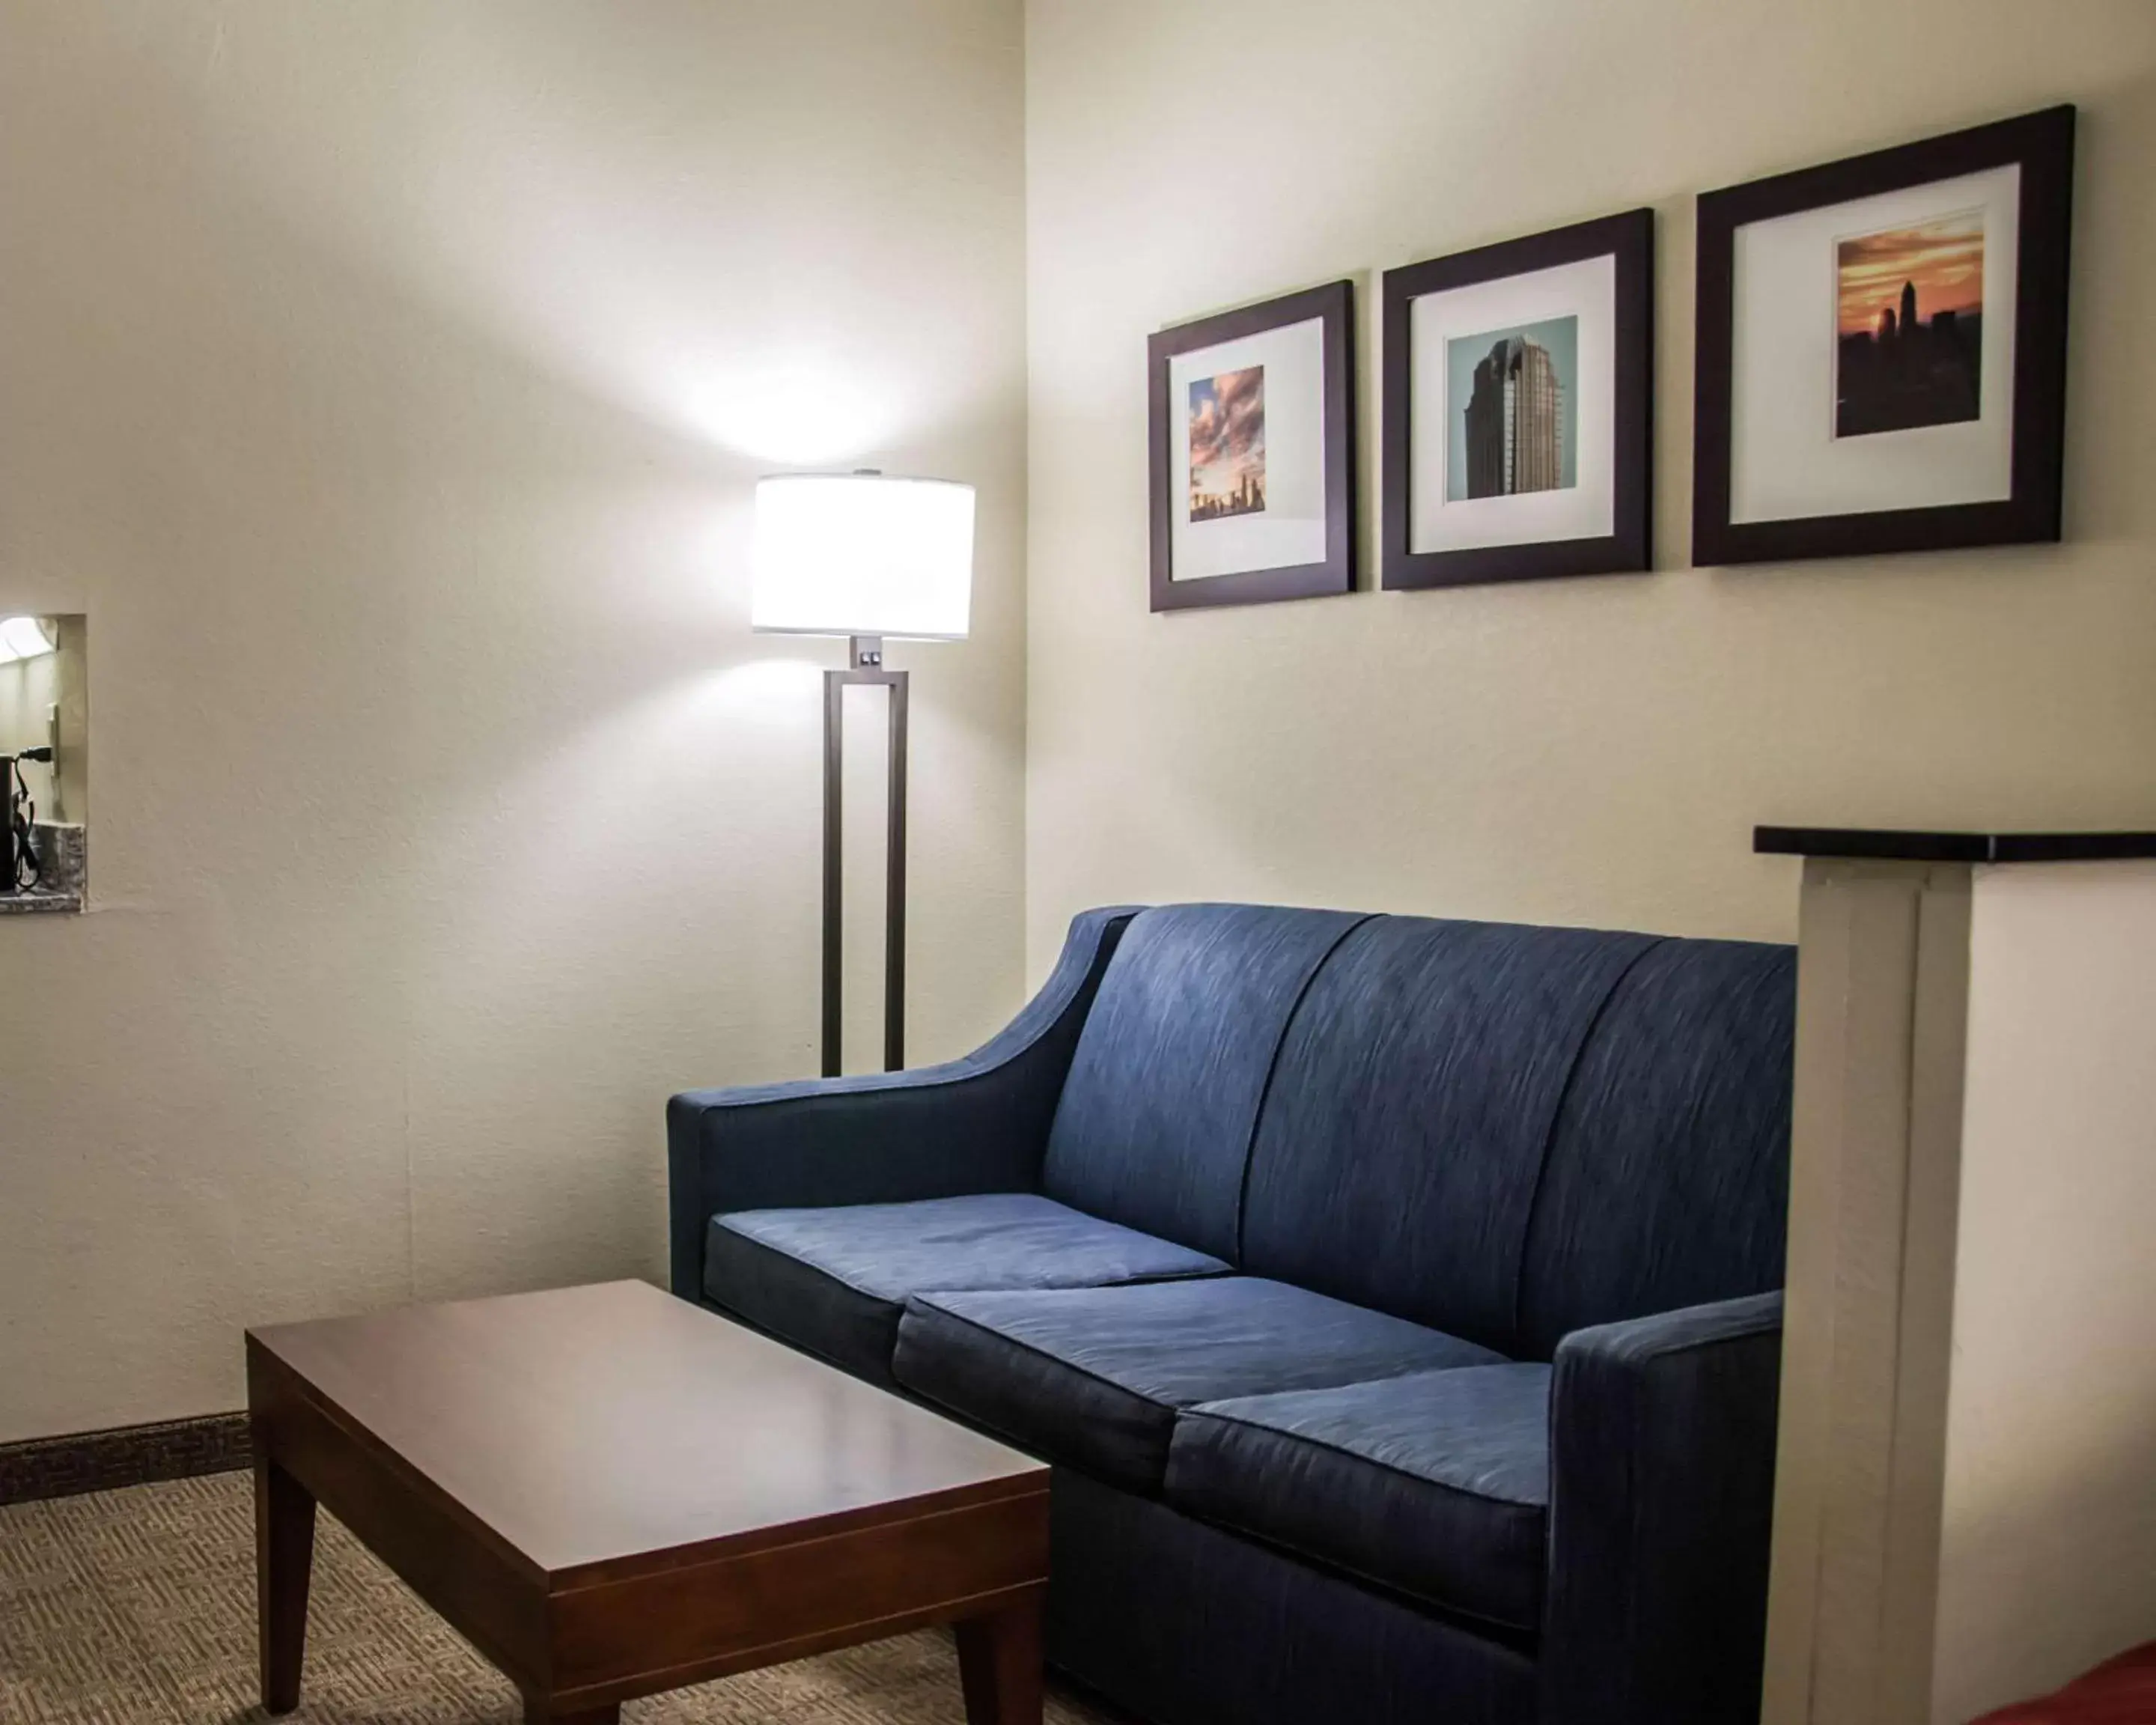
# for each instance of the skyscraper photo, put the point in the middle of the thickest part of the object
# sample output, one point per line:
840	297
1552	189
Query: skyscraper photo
1514	411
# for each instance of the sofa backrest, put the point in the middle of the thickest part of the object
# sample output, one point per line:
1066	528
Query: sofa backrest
1153	1130
1667	1181
1505	1131
1397	1162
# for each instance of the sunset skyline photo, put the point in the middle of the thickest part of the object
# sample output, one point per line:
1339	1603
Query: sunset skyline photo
1909	311
1228	444
1943	259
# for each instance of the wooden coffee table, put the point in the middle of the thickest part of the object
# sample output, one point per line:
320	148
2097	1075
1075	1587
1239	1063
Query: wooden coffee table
611	1492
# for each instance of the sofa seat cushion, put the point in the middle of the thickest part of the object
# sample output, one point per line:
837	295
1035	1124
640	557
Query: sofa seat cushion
833	1281
1094	1377
1436	1484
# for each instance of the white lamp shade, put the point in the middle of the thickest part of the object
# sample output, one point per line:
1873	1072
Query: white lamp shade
23	638
863	554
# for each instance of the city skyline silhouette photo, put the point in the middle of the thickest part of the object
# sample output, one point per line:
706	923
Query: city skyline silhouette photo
1909	311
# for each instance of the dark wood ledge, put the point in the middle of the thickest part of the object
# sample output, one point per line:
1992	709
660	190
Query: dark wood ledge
1872	843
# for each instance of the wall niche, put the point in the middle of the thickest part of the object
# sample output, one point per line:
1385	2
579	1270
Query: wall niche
44	763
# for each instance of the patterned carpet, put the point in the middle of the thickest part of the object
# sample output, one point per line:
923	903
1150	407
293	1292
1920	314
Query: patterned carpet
137	1608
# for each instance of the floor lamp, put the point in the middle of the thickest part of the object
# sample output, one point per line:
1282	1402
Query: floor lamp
870	556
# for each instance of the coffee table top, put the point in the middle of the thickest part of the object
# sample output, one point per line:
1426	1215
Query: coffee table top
592	1424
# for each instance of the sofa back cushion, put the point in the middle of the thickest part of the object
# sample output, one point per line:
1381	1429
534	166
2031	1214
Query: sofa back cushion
1153	1130
1402	1142
1667	1179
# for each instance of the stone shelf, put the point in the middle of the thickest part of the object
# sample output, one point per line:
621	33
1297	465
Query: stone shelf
66	872
31	904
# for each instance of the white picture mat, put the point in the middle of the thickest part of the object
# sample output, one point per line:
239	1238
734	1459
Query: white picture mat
1587	290
1785	462
1290	530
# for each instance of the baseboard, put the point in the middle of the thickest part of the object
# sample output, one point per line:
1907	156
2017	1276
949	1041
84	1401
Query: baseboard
128	1455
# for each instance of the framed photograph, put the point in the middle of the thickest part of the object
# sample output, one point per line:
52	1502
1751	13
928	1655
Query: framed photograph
1882	350
1253	447
1518	416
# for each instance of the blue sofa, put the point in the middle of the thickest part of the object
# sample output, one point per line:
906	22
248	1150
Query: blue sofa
1396	1299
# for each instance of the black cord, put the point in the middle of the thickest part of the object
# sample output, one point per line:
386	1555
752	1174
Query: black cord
22	815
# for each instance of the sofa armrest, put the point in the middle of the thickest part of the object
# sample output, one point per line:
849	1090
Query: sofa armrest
1661	1508
977	1124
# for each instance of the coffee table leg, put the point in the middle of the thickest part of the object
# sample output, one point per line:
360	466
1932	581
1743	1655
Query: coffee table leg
999	1665
283	1559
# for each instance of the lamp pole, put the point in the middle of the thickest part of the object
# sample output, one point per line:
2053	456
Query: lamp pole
864	667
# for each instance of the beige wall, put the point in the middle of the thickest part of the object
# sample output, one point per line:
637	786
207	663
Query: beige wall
2047	1560
386	381
1592	750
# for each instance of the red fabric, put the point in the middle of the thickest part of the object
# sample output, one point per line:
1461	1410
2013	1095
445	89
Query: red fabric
2120	1692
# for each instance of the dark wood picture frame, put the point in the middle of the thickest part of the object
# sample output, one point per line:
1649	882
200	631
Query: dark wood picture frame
1628	548
1334	306
2042	144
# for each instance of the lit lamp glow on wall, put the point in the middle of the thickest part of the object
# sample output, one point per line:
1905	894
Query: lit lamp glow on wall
23	638
870	556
